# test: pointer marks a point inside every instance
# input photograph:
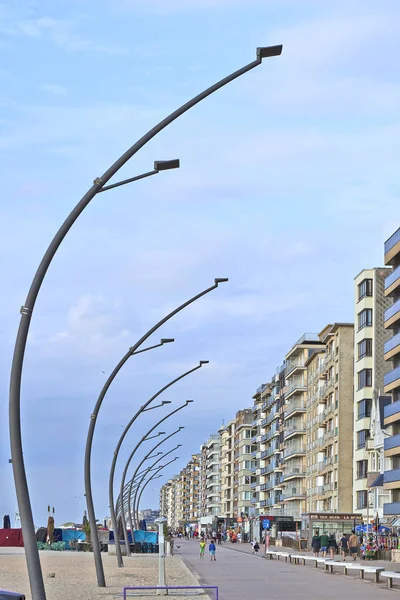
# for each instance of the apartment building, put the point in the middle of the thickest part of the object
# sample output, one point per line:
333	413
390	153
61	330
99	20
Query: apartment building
293	425
168	502
192	472
369	371
392	377
213	475
329	419
257	496
243	450
227	435
202	499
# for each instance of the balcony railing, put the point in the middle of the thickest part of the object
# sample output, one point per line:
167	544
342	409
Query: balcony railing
390	377
392	442
392	241
294	472
392	476
298	449
391	508
392	343
293	493
293	406
392	310
392	409
394	276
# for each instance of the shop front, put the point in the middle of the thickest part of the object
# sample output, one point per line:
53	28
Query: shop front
336	523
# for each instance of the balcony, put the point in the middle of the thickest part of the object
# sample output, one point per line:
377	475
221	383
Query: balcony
391	479
274	414
293	365
391	509
291	408
392	247
296	387
391	413
293	431
392	282
299	449
392	347
294	472
292	493
391	380
392	315
392	445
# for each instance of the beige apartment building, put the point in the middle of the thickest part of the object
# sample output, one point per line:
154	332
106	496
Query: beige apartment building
392	376
329	469
179	497
369	370
242	463
227	435
293	424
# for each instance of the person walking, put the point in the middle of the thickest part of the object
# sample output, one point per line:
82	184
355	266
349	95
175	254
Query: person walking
316	543
324	544
256	548
202	547
212	549
344	545
353	545
219	538
332	546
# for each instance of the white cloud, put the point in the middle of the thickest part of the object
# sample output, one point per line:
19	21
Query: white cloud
53	88
60	32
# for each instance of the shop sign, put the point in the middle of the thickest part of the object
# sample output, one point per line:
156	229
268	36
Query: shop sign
334	517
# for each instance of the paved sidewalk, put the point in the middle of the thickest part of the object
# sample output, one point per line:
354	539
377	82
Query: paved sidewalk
240	575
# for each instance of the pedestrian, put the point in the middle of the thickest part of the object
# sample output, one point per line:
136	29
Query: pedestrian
212	549
353	545
316	543
252	543
202	547
344	544
219	538
332	546
256	548
324	544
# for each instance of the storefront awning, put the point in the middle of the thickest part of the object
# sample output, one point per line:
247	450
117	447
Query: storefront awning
378	482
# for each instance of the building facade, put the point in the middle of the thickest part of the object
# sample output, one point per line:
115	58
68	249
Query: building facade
329	469
243	450
392	377
213	476
227	435
369	371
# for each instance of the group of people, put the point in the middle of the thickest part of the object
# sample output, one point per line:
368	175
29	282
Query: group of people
211	548
328	544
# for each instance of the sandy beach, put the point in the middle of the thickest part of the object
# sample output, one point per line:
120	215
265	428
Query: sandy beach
75	575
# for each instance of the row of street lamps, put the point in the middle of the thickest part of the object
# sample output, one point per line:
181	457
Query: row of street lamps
99	185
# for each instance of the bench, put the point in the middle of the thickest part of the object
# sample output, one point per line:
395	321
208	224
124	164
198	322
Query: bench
298	557
284	555
330	564
390	575
362	569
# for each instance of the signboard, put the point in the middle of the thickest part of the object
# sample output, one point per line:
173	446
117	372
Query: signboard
265	524
283	519
334	517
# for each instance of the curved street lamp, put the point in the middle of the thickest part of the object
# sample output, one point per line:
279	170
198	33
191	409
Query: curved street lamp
146	457
92	426
135	497
114	461
21	485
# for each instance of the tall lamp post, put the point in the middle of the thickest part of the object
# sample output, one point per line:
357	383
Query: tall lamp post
137	470
115	457
21	485
92	426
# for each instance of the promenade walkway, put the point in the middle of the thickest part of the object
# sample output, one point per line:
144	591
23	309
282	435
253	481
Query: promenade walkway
241	576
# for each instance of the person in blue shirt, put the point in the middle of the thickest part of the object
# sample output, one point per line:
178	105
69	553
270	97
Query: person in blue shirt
212	548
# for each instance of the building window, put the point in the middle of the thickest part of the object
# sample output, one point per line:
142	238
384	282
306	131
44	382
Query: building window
362	499
364	348
362	469
362	438
365	318
247	449
364	408
364	289
247	464
248	433
246	495
364	378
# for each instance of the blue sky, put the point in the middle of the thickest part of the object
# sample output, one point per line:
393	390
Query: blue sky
288	186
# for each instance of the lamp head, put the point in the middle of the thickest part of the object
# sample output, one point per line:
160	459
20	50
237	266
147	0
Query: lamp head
189	401
204	362
218	280
166	402
167	340
179	446
181	427
161	433
267	51
165	165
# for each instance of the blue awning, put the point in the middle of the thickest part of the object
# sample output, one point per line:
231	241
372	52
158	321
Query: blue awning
378	482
